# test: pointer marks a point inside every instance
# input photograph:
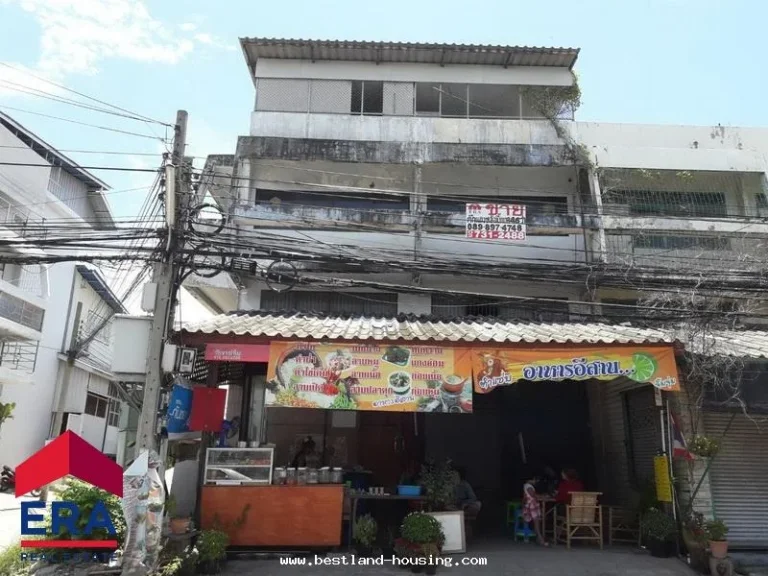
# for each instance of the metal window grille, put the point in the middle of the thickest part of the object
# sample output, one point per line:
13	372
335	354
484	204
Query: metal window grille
359	303
21	356
448	306
20	311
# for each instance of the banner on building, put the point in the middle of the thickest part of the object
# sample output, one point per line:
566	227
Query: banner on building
495	221
663	481
501	367
370	376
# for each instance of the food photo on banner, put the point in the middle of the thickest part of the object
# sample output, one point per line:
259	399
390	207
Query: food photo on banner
349	376
652	365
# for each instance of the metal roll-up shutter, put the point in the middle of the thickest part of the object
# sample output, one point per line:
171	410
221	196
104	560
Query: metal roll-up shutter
644	432
739	478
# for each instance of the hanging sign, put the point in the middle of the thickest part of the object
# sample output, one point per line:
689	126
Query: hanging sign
495	222
500	367
179	407
344	376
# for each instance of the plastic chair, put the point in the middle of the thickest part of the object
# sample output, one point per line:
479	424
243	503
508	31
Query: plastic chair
520	528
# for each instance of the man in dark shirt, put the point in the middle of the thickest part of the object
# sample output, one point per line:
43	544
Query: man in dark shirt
464	495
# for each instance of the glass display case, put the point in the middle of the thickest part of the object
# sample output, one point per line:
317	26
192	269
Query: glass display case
239	466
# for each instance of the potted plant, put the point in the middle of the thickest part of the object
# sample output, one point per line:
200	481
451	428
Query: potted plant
212	550
658	530
179	524
438	480
718	545
365	535
695	538
704	447
425	537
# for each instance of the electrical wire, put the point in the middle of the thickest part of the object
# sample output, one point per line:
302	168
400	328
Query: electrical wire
118	168
82	95
71	121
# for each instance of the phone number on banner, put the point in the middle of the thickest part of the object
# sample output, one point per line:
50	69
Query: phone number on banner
496	231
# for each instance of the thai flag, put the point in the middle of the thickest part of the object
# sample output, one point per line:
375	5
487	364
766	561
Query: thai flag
679	447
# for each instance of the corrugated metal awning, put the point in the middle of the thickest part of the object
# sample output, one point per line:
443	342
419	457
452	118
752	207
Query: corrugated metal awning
746	343
444	54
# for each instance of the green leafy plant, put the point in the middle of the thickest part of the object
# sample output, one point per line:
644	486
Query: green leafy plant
424	531
658	525
365	532
212	545
439	481
704	447
6	411
85	497
11	563
717	530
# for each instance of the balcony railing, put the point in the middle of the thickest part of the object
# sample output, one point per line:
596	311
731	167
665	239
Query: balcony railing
21	356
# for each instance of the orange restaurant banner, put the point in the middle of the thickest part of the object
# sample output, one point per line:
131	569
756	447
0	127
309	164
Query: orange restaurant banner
370	376
500	367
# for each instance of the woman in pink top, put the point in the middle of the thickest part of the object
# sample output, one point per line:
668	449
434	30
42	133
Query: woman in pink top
532	509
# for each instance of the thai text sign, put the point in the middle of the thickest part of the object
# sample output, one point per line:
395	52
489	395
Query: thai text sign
495	221
654	365
370	376
663	481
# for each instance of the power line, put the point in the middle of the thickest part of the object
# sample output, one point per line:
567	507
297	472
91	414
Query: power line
71	121
117	168
82	95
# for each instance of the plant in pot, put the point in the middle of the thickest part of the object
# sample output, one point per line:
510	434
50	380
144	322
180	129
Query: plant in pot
695	538
179	523
212	551
364	535
704	447
425	537
658	530
716	532
439	481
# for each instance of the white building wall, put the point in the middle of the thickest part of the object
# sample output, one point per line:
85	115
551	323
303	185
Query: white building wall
26	433
406	72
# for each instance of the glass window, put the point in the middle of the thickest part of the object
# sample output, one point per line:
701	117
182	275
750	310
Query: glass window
427	98
453	100
367	97
487	100
91	404
357	97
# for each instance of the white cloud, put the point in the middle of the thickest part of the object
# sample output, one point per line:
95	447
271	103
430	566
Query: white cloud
77	35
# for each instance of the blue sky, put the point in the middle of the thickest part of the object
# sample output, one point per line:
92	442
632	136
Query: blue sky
642	61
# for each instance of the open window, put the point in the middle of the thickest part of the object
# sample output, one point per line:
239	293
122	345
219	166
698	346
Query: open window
367	97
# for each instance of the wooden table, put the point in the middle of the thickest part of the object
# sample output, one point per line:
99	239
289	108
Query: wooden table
354	497
544	501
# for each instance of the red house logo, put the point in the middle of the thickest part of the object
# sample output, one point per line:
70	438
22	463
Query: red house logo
67	455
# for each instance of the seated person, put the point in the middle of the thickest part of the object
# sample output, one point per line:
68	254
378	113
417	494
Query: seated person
464	495
570	483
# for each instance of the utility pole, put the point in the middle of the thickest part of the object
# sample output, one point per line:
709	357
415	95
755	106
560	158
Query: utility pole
164	277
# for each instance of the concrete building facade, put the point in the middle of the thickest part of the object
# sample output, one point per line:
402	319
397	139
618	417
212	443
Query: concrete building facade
360	159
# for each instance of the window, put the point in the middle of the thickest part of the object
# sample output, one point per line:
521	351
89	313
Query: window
494	101
448	306
96	405
361	303
654	203
367	97
325	199
114	414
453	100
659	242
427	98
